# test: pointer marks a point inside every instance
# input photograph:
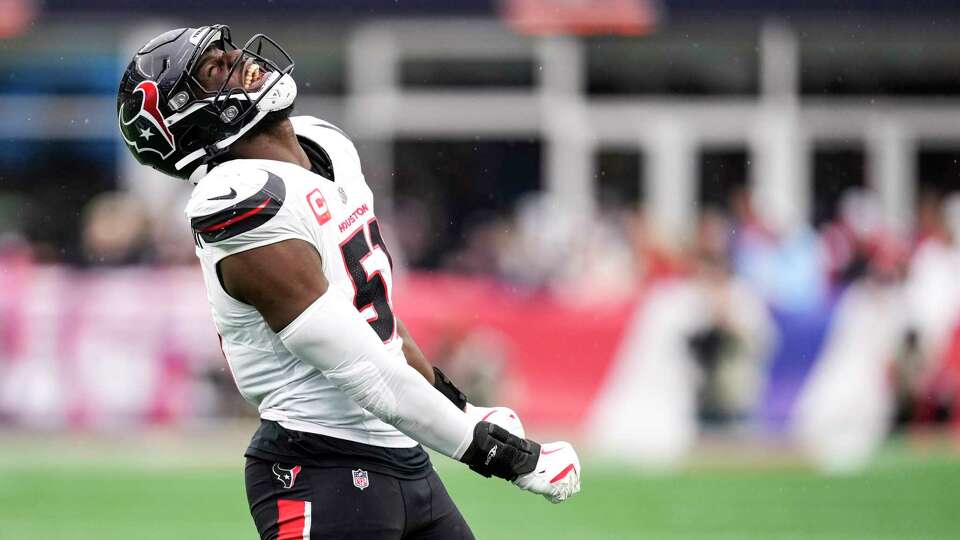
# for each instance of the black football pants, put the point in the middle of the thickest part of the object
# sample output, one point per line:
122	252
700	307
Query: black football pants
289	502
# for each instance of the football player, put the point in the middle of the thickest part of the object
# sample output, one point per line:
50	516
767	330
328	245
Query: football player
299	280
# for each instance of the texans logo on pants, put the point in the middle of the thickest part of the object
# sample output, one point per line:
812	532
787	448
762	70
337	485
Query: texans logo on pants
286	476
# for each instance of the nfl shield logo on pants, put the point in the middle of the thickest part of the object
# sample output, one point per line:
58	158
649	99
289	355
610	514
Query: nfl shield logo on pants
360	479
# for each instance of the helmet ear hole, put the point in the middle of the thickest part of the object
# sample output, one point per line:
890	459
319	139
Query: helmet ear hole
191	139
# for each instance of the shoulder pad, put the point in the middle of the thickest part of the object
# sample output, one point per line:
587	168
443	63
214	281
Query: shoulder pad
332	139
234	202
302	125
337	145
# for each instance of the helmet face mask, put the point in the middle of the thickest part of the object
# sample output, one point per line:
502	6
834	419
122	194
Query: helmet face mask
160	94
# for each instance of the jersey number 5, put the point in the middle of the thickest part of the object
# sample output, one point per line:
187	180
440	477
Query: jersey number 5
367	276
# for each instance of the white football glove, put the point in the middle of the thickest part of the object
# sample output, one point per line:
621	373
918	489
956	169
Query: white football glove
504	417
557	476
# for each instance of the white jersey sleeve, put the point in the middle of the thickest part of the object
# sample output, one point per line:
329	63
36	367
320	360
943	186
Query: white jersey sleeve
238	208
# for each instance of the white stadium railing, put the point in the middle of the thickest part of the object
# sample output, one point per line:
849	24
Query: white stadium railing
777	127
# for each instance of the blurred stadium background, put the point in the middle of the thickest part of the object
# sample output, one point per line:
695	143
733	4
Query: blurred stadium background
715	244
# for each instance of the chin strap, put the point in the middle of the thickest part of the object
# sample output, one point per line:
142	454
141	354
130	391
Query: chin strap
214	149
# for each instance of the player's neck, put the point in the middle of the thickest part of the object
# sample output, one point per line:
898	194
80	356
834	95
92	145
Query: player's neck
278	143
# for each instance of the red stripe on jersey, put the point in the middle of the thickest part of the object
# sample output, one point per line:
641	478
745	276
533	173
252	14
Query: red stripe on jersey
291	518
563	473
241	217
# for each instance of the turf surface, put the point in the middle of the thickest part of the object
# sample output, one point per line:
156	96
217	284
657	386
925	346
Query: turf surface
900	497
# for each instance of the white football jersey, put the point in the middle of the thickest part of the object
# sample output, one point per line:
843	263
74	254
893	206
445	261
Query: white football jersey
248	203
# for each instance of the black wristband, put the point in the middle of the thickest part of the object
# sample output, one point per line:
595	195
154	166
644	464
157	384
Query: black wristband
451	392
497	452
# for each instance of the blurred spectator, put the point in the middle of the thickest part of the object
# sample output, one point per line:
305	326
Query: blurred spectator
541	245
933	302
115	231
938	389
847	405
929	217
171	238
733	344
786	269
932	287
654	257
599	267
851	239
481	251
694	349
581	259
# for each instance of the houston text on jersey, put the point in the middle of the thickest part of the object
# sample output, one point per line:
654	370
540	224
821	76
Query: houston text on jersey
352	218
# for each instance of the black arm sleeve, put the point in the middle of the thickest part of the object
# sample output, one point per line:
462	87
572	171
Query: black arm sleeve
451	392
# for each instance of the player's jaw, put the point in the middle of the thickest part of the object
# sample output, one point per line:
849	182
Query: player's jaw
252	75
249	75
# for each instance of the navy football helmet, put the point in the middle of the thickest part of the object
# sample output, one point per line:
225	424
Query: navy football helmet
172	123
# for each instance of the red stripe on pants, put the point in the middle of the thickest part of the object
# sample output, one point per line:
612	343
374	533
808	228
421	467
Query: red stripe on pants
291	519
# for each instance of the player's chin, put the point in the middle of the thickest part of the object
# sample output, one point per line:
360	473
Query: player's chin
274	117
271	120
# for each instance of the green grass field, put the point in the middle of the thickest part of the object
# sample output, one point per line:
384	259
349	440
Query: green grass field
902	496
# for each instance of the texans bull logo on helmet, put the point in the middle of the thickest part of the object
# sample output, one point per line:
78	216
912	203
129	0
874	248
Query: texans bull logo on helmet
144	128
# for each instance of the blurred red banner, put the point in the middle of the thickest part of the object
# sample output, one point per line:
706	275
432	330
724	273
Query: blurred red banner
555	355
582	17
134	346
